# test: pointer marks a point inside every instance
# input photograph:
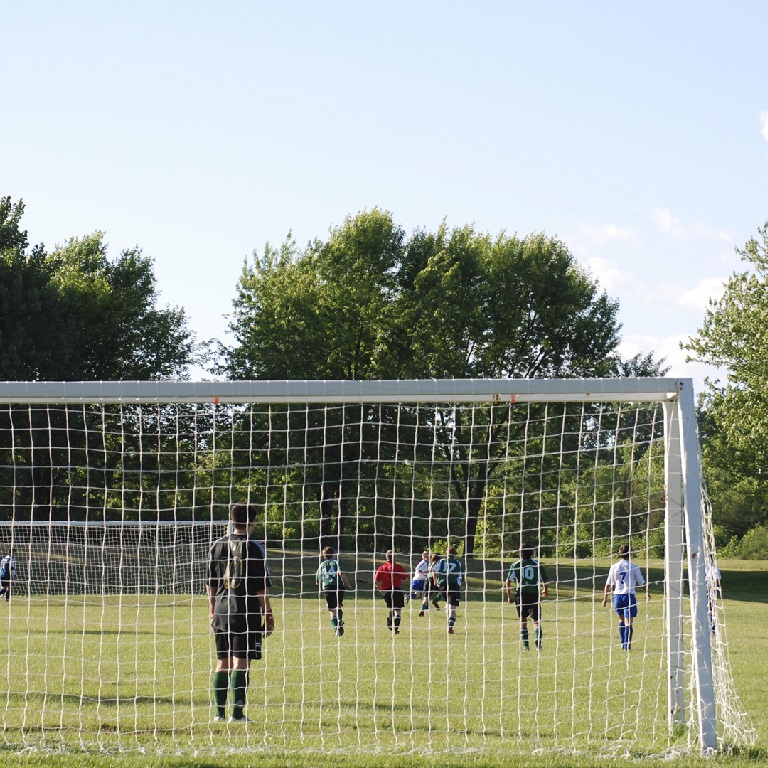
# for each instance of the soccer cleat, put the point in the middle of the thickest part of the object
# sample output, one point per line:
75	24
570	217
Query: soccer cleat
526	647
219	719
397	631
451	631
242	719
436	604
339	631
421	613
537	643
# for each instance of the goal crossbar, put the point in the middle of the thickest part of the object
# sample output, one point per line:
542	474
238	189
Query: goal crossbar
644	389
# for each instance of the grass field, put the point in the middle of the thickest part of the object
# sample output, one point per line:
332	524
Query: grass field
125	681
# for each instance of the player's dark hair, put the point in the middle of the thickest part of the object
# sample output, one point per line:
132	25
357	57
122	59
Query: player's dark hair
328	552
435	558
242	514
624	550
526	551
451	550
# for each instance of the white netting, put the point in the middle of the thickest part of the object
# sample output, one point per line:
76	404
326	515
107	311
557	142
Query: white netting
111	508
736	726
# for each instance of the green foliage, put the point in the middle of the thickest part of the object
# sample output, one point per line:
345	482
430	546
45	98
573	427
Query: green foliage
370	302
752	546
75	315
733	418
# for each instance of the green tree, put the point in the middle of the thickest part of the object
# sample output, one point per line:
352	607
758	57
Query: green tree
27	300
74	314
733	417
370	303
112	327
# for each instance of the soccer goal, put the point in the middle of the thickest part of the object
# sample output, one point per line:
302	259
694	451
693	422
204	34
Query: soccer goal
111	494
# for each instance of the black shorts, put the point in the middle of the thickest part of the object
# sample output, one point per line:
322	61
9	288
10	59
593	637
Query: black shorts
451	596
528	605
243	645
394	598
334	598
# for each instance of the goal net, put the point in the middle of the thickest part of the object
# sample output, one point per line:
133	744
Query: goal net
112	493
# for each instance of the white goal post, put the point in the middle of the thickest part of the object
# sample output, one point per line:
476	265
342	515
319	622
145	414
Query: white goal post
111	494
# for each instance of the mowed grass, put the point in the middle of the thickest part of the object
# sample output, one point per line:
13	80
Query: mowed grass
90	676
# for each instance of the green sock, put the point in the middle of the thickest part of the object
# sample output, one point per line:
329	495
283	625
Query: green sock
451	621
239	685
220	688
340	616
524	635
334	622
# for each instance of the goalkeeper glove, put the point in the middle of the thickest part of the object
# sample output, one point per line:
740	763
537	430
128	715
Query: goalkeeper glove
269	623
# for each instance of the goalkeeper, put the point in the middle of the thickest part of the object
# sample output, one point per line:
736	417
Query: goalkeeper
531	580
240	611
334	582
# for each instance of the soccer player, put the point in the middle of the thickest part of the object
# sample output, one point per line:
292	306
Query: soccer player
240	610
390	576
420	583
433	590
531	580
448	575
623	578
7	574
333	581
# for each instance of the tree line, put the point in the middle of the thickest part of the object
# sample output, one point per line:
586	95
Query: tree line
367	301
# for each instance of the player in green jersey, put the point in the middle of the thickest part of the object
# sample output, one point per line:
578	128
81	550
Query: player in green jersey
448	575
333	581
531	580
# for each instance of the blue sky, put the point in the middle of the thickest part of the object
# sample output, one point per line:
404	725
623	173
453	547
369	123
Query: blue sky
635	132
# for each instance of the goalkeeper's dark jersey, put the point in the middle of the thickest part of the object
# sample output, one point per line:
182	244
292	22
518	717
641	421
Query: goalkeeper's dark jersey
528	574
237	573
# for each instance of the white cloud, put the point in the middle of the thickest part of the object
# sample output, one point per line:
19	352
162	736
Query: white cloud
696	297
764	124
607	273
686	231
607	232
668	347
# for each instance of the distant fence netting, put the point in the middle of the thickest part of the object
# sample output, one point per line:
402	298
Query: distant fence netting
109	558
